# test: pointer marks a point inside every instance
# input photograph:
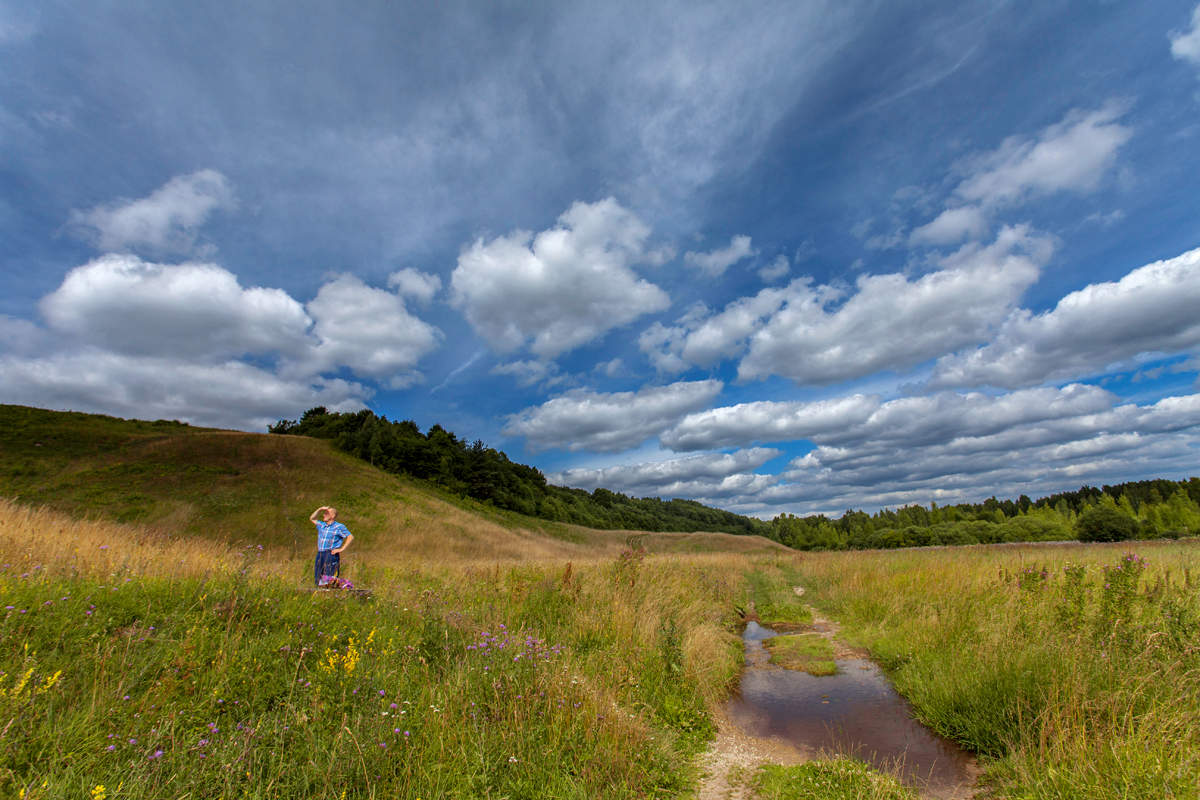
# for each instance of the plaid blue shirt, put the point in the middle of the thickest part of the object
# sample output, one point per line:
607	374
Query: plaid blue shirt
331	535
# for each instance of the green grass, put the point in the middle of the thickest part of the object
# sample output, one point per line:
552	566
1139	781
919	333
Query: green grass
1074	670
241	488
838	779
808	652
190	481
519	683
772	594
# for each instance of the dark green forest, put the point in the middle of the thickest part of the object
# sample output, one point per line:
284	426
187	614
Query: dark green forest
1137	510
471	469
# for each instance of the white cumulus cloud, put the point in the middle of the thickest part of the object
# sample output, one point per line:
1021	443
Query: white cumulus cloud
420	286
165	221
561	288
768	421
609	422
229	394
1152	310
707	474
128	305
369	331
825	334
1038	442
892	323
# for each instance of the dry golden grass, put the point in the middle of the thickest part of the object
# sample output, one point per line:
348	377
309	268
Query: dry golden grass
40	539
413	530
419	527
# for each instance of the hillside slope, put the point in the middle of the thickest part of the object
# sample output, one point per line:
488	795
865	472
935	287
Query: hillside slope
260	488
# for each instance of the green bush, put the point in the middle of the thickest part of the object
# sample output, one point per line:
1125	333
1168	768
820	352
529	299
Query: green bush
1103	524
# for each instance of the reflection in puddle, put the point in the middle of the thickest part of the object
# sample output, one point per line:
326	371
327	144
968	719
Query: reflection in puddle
856	712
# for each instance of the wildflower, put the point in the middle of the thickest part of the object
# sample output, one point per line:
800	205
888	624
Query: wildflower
157	754
99	793
111	748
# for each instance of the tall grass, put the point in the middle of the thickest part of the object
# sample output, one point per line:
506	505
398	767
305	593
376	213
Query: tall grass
134	665
1075	669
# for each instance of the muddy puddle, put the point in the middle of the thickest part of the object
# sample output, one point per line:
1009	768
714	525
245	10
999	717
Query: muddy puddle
855	712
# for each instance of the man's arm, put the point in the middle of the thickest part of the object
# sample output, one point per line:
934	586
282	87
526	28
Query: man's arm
345	543
313	517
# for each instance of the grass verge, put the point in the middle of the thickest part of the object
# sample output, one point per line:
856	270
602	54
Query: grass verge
808	652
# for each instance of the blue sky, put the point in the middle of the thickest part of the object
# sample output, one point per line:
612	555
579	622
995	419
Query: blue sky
777	257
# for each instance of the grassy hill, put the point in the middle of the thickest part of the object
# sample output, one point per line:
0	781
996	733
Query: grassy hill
179	480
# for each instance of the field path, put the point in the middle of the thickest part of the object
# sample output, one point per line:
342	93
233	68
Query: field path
733	757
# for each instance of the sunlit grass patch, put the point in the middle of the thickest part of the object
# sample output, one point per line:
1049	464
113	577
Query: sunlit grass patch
808	652
839	779
772	590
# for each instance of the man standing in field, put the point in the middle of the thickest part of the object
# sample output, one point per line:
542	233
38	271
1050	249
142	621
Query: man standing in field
332	538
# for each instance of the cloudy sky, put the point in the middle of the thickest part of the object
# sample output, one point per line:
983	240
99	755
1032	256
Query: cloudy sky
777	257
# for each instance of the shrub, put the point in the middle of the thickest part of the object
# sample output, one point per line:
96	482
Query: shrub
1103	524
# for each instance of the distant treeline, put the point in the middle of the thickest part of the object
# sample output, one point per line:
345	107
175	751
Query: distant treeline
1142	509
1139	510
475	470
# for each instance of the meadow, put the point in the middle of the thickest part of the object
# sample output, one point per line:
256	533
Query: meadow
140	665
144	667
159	639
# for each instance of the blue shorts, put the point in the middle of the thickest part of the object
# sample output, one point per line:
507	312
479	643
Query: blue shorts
327	563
